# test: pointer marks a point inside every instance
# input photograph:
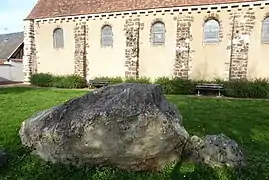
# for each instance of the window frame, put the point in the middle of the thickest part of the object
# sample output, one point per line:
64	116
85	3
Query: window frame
215	33
155	32
58	33
265	35
107	35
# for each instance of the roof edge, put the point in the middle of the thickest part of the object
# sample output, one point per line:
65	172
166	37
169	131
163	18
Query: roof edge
142	9
15	50
28	16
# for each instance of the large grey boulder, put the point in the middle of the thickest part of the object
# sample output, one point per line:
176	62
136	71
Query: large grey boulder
130	126
215	151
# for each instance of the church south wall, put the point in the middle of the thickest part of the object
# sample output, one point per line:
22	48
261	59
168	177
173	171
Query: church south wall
238	54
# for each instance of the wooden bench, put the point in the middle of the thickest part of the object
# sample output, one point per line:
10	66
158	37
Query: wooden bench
209	87
98	83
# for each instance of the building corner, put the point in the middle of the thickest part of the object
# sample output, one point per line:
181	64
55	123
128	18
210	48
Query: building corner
29	56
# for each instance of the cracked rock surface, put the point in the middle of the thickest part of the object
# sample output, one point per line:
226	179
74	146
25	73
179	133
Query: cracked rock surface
215	151
129	126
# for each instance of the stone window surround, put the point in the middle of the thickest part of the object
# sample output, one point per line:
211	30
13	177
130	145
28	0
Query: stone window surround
157	20
205	42
110	25
213	16
266	17
53	36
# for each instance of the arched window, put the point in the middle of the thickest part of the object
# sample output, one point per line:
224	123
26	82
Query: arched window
211	31
158	33
265	30
107	36
58	38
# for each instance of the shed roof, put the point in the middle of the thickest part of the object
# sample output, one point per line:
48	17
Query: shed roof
60	8
9	43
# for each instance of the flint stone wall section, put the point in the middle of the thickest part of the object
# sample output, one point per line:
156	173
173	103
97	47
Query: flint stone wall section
81	45
29	57
242	24
132	29
184	52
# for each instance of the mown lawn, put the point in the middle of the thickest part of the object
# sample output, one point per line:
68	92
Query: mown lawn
246	121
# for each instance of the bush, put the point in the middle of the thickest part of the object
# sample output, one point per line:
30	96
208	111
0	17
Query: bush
111	80
42	79
176	85
258	88
48	80
165	82
183	86
117	80
69	81
140	80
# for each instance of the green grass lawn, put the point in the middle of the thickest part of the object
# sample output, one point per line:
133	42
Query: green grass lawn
246	121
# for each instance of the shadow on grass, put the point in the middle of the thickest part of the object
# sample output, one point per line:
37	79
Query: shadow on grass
15	90
28	167
247	122
195	172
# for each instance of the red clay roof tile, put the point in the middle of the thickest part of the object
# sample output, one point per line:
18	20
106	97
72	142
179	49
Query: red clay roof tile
60	8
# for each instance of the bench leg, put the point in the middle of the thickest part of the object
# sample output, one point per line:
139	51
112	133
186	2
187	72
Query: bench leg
219	95
198	93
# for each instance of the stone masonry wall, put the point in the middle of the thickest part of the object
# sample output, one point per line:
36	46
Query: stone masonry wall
216	17
29	57
183	51
81	45
242	23
132	29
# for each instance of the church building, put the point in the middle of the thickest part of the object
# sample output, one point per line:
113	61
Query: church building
205	39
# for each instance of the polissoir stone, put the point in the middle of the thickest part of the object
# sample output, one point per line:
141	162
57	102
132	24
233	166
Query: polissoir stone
129	126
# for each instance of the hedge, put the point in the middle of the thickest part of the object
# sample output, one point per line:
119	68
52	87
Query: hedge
142	80
42	80
111	80
257	88
49	80
117	80
69	81
176	85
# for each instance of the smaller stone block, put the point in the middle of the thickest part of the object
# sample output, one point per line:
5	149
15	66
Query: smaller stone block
215	151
